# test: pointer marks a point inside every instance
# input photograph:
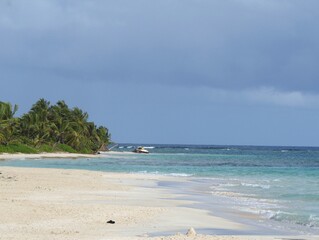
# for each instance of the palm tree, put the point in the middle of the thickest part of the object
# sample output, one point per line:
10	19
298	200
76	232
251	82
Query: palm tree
46	124
79	119
59	129
8	124
6	111
104	136
42	109
35	124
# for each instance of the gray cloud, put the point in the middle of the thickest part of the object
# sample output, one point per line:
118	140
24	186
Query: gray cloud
260	96
231	44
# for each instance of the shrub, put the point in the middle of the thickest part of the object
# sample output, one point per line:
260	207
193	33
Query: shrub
45	148
86	151
5	149
17	148
65	148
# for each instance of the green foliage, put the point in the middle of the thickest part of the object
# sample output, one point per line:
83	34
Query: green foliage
6	111
5	149
17	148
65	148
50	128
8	124
86	151
46	148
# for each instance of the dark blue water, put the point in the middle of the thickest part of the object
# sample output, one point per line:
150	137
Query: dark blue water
277	183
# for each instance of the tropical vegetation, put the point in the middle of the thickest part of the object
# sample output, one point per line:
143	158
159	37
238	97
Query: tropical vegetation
50	128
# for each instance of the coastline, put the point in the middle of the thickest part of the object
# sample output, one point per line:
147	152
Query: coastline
12	156
8	156
76	204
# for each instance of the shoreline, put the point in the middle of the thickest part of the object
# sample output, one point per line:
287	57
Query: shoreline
11	156
76	204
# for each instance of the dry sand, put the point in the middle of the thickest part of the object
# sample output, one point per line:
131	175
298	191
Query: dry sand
76	204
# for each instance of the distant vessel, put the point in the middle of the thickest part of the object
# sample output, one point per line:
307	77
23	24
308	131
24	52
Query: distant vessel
140	150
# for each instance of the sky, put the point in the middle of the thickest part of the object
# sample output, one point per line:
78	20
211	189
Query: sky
230	72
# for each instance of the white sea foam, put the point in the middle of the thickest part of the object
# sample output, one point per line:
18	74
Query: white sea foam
140	172
232	195
277	180
313	217
165	174
313	221
270	214
229	185
147	172
255	185
180	174
149	147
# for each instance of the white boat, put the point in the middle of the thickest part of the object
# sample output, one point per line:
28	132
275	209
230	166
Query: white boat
140	150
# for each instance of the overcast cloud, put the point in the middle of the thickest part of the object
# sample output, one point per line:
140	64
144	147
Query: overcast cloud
233	52
220	44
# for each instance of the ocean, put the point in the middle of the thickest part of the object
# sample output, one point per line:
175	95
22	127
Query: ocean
278	185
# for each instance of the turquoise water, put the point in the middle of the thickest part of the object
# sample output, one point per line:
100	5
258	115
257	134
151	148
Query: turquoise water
279	184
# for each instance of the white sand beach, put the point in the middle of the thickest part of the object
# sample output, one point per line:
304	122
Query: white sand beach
76	204
8	156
